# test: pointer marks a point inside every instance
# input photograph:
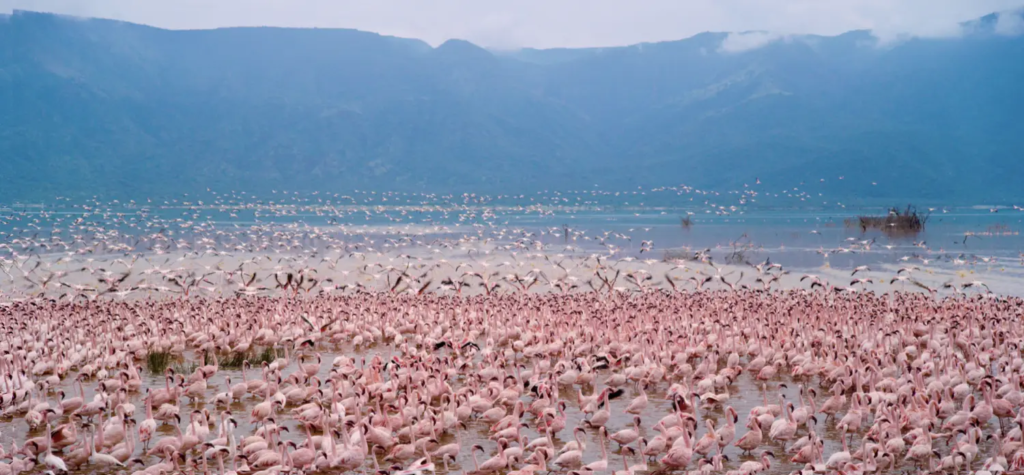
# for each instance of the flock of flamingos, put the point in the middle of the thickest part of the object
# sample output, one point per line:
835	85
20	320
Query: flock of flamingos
281	349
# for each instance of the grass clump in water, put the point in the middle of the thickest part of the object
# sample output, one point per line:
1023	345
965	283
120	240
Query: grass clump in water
267	356
158	361
186	367
235	360
907	221
675	255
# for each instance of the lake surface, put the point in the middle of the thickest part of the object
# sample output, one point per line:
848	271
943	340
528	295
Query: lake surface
796	237
800	237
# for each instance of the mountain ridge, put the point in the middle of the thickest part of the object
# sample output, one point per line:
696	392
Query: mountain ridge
130	110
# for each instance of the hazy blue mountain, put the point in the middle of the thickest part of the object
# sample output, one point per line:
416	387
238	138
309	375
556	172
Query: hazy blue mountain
104	107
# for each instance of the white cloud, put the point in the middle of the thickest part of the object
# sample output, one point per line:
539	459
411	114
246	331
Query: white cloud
545	23
890	36
739	42
1010	23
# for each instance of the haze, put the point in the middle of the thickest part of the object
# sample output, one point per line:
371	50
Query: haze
542	24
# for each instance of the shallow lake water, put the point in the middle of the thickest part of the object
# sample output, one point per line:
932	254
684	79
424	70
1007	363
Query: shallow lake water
745	393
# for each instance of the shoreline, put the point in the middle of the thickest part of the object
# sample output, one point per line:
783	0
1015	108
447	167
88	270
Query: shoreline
437	270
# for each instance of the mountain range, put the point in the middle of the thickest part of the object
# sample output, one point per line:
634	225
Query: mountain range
91	106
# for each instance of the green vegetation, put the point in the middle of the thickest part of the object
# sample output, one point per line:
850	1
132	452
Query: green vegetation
185	367
255	358
158	361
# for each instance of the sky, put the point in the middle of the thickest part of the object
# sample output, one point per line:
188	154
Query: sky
509	24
